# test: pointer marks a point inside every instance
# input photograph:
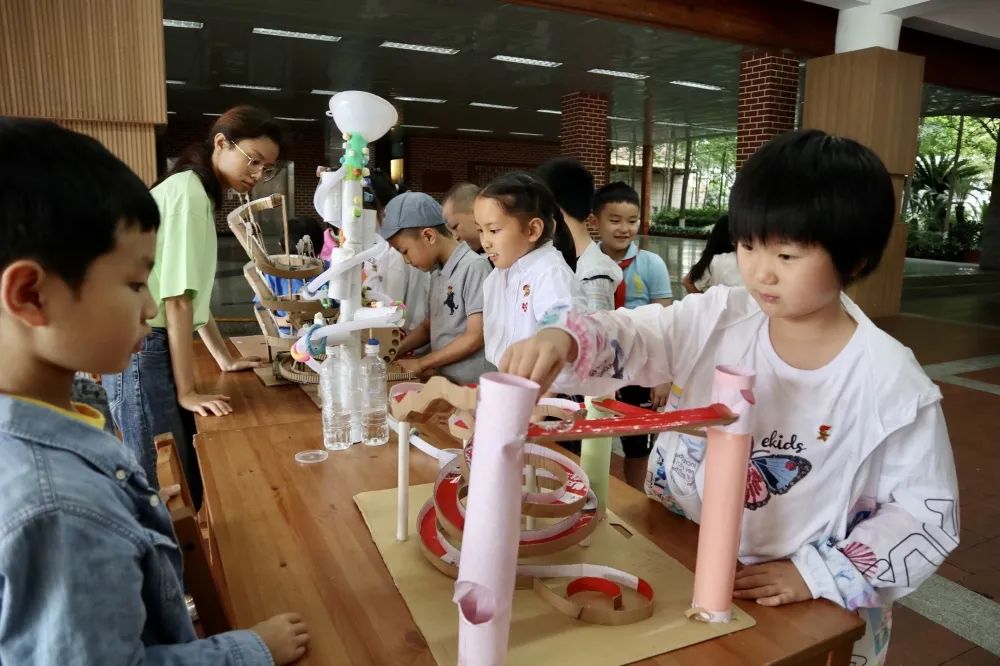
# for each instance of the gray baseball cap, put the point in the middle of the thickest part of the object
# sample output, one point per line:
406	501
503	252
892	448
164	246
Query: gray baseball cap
410	210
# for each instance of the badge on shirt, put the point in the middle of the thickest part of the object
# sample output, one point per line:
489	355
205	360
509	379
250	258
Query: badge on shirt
450	300
526	290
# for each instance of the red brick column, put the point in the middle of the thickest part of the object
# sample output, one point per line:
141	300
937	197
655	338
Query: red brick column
584	132
769	83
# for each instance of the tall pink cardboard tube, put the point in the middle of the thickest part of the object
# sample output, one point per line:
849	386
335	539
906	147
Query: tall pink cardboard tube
484	589
726	460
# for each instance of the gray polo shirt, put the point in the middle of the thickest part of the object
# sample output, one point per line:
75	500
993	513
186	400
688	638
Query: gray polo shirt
457	292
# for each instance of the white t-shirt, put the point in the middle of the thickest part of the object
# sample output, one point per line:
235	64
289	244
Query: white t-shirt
723	269
387	273
515	298
599	277
852	476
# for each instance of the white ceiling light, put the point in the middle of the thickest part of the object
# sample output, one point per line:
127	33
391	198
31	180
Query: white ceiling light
427	100
553	111
526	61
326	93
171	113
630	120
420	126
469	129
620	75
175	82
493	106
618	141
669	124
214	115
296	35
527	134
419	47
695	84
246	86
296	120
193	25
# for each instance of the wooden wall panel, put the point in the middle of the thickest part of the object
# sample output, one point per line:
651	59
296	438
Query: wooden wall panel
872	96
100	60
134	144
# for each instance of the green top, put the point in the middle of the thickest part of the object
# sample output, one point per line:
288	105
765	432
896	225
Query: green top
185	247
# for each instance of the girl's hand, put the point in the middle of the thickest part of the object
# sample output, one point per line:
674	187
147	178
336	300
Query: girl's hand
244	363
771	584
658	395
285	636
541	357
214	405
411	365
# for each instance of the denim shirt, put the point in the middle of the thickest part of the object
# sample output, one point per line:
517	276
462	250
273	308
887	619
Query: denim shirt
90	572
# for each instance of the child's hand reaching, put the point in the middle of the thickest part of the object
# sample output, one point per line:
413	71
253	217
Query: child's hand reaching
540	358
771	584
286	636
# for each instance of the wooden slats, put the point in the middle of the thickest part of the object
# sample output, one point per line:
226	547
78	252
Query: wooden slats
70	60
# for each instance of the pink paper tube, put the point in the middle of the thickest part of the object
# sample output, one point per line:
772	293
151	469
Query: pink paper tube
726	459
484	589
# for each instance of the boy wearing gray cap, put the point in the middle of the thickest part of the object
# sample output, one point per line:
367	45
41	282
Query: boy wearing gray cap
414	226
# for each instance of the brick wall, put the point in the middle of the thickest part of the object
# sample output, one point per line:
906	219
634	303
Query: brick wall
304	147
434	163
584	132
769	83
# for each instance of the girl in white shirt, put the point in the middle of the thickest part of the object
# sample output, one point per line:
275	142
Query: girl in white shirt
717	264
523	234
851	491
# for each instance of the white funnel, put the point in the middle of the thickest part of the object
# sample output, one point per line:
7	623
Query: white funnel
359	111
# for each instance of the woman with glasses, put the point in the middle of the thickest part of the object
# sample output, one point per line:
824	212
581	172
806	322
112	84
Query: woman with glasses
156	392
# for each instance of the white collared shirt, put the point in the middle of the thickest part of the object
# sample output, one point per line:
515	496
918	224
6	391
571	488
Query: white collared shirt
516	298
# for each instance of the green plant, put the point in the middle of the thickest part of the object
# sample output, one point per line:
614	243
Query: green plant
693	217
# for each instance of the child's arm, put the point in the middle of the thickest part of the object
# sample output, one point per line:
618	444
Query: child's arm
465	344
604	350
71	589
910	531
415	339
180	322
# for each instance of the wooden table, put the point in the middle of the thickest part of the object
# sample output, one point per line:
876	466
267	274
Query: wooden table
291	538
253	403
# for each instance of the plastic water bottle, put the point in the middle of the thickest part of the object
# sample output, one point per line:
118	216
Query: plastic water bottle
374	398
334	378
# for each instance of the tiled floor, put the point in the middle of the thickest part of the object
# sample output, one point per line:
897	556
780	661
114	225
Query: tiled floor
940	329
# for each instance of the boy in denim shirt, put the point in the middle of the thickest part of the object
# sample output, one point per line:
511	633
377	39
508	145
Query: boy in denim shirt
89	569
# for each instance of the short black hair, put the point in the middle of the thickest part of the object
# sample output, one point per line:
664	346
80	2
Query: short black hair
616	192
571	185
64	198
816	189
442	230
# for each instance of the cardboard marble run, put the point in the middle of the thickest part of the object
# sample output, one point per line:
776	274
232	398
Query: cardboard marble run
313	322
479	523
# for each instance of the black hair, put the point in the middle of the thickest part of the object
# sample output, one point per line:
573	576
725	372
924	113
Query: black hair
815	189
441	229
382	188
64	198
718	243
571	185
616	192
239	122
525	197
462	196
304	225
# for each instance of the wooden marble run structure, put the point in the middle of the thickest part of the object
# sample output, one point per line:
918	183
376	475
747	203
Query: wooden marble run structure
481	519
328	307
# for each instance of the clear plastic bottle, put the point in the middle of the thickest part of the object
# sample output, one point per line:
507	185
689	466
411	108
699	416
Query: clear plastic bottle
334	379
374	397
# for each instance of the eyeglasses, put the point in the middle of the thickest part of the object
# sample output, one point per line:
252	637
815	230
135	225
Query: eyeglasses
255	166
